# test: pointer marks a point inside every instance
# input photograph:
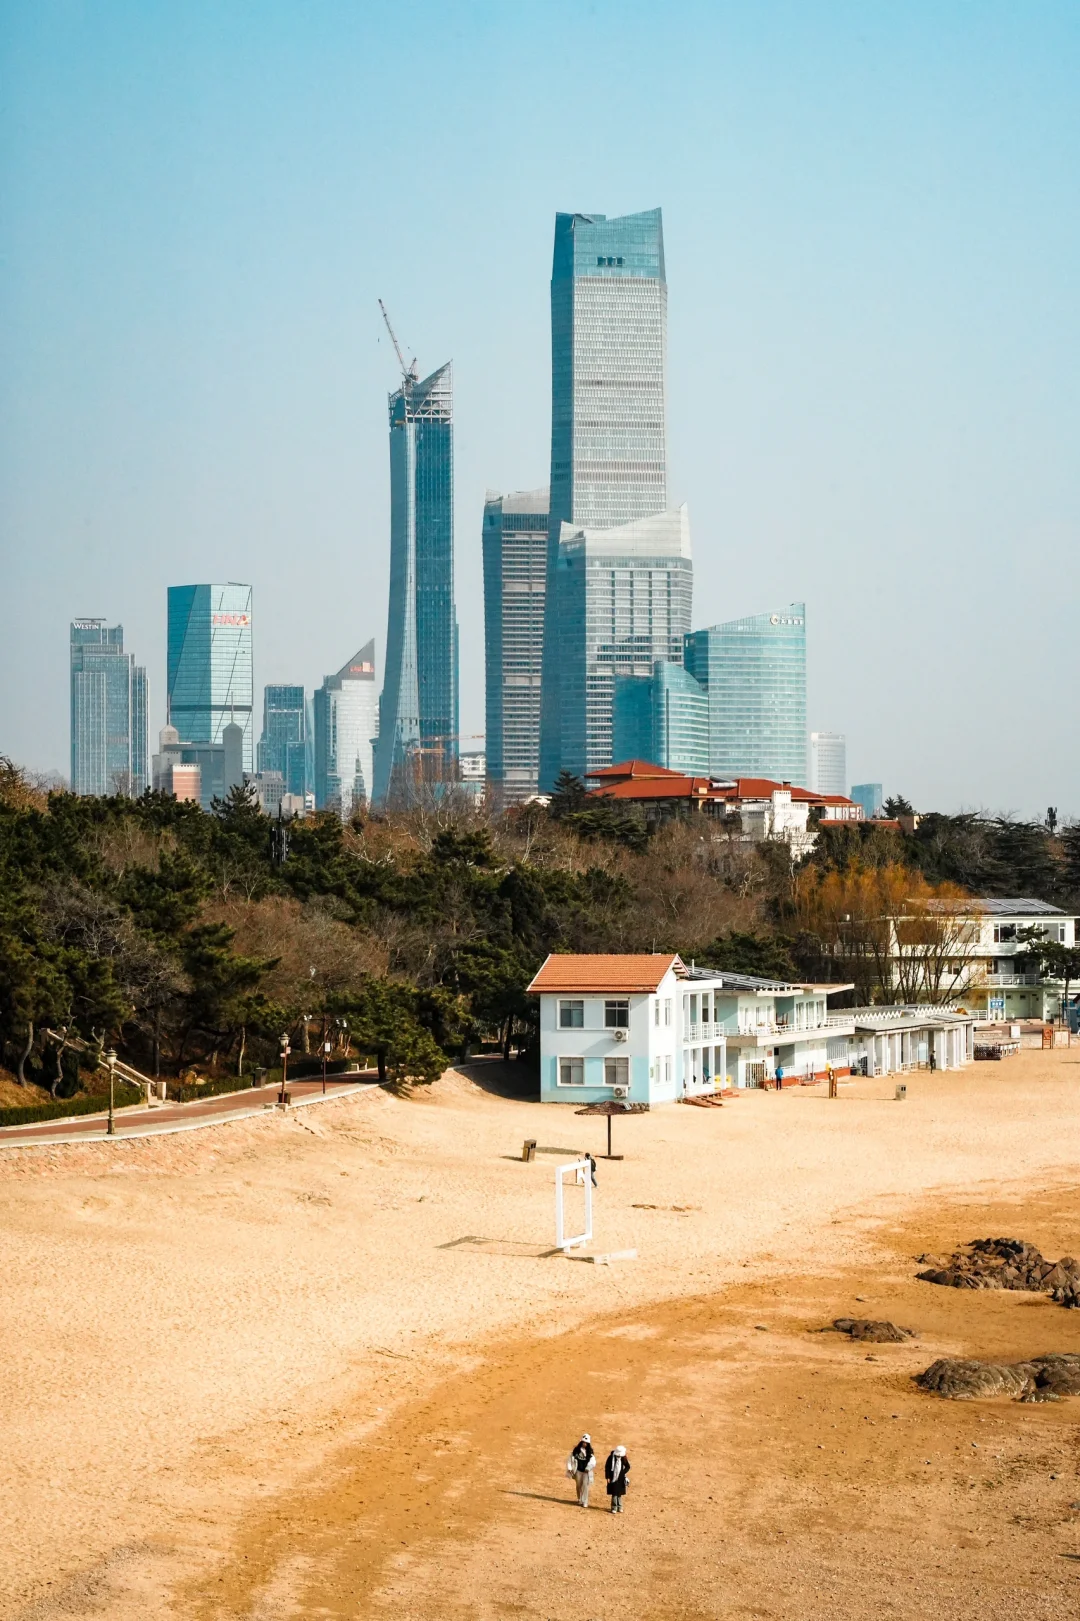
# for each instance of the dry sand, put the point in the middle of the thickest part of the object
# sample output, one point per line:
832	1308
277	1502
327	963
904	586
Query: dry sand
326	1366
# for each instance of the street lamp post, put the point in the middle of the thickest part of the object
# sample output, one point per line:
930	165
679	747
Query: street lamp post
110	1059
325	1048
285	1051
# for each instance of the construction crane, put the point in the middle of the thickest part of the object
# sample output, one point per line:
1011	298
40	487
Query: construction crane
409	373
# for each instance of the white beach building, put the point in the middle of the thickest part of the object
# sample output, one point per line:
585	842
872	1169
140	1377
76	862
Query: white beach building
651	1030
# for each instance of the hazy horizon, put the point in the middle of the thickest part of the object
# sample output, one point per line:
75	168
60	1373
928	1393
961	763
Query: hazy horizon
872	252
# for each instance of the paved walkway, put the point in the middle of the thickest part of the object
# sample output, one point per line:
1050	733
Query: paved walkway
165	1117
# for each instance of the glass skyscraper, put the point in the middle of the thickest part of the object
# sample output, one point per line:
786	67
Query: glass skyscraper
624	603
608	408
662	719
418	709
283	744
754	671
108	712
209	669
345	725
515	541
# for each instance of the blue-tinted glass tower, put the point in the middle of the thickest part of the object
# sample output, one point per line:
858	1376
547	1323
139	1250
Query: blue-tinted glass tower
283	744
515	539
662	719
418	709
608	405
209	668
754	671
108	712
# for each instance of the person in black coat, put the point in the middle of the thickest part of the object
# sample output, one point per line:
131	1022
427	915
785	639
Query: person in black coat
616	1470
580	1466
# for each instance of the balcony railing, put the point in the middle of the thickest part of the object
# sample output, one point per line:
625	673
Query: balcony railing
784	1028
1012	979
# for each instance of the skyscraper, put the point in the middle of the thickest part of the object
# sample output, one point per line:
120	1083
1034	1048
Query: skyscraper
624	603
515	542
608	406
662	719
418	709
754	671
108	712
346	723
283	744
828	763
210	678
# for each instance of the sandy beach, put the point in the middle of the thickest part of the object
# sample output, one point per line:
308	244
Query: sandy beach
326	1365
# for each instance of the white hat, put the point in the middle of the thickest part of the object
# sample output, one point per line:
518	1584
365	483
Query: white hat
620	1452
586	1437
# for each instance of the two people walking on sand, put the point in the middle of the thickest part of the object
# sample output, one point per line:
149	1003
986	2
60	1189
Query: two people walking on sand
581	1465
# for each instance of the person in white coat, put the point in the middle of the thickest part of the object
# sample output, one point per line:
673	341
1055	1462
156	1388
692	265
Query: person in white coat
580	1466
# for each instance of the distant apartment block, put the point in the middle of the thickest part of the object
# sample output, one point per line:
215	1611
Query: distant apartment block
204	772
869	796
108	712
209	667
754	671
828	762
515	541
346	725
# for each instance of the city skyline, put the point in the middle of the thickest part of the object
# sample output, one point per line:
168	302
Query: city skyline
870	376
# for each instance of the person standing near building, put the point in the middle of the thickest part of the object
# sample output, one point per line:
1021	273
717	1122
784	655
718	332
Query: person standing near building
779	1077
616	1470
580	1466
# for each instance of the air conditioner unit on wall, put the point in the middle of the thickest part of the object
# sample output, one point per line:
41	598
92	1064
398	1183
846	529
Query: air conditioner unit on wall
620	1035
620	1091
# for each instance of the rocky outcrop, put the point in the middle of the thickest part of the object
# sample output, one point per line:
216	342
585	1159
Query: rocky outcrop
1006	1263
878	1332
1040	1378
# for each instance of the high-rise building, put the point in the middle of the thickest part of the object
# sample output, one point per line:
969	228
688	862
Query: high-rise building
418	709
754	671
608	407
662	719
828	762
202	771
283	744
869	796
515	542
346	726
624	603
210	680
108	712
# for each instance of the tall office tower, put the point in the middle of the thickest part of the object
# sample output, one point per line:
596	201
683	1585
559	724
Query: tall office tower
283	744
346	723
108	712
210	680
624	603
662	719
755	673
870	797
608	411
515	541
418	709
828	763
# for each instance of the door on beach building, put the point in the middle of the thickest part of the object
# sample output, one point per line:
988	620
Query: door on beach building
755	1074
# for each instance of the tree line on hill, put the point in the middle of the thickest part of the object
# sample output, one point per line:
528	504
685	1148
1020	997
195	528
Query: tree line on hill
194	939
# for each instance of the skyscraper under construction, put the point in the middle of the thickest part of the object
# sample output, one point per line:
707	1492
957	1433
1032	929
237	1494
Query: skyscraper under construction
418	708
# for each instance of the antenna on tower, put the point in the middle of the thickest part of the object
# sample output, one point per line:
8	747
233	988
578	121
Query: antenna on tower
409	373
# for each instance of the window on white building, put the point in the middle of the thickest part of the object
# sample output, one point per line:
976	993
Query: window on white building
667	1070
571	1072
656	1012
617	1015
667	1010
571	1015
616	1072
1004	932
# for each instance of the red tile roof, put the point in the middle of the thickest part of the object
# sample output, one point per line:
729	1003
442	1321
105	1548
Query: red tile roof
598	973
637	779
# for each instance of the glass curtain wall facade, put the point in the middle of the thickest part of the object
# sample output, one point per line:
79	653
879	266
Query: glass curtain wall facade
108	712
209	667
283	744
662	719
608	402
346	721
515	540
624	603
418	709
754	670
828	762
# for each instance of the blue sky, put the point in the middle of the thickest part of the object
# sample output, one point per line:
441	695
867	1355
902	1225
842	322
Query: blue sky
873	249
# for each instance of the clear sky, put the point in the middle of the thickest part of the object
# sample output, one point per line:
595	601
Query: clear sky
873	245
